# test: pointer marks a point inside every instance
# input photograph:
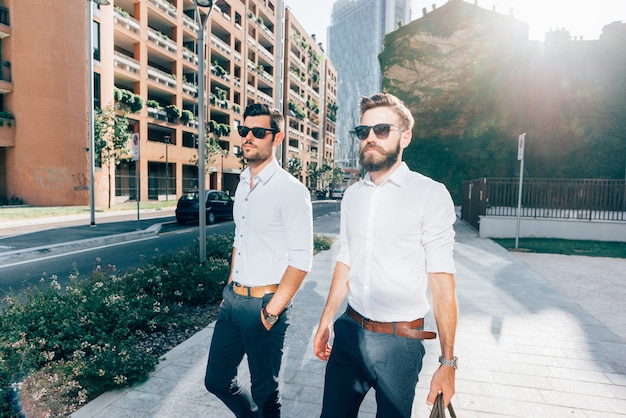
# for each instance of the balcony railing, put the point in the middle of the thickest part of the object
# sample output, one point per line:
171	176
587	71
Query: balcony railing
159	114
266	54
219	44
265	97
190	23
266	76
190	89
126	63
190	56
127	22
162	41
164	6
161	77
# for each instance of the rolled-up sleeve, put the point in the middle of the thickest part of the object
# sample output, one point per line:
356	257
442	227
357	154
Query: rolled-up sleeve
438	231
297	216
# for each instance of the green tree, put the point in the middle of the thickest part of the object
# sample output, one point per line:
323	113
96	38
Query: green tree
295	167
314	174
111	137
336	177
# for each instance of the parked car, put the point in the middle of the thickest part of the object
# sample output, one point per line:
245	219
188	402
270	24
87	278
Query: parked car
219	205
336	194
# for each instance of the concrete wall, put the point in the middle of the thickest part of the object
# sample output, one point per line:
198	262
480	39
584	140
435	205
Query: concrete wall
505	226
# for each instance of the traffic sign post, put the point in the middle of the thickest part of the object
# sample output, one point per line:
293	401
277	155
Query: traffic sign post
520	156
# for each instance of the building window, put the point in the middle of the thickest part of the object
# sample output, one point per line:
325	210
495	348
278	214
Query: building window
95	33
97	94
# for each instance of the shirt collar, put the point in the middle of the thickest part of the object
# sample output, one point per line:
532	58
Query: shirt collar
397	177
265	175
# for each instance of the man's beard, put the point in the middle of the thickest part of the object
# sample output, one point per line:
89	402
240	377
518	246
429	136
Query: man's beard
257	154
374	162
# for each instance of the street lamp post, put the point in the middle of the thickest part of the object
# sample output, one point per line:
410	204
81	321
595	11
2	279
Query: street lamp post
166	139
92	162
202	21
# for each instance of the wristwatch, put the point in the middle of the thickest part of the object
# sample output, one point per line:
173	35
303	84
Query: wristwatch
269	318
453	362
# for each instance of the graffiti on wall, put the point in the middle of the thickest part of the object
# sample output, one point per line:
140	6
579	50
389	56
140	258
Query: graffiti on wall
58	178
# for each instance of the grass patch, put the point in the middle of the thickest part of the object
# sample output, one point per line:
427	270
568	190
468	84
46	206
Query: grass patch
31	212
567	247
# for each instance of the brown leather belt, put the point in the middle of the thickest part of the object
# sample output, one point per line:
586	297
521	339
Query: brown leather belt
255	291
402	329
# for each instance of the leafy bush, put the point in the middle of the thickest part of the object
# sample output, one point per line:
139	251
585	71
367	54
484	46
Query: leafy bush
321	243
61	347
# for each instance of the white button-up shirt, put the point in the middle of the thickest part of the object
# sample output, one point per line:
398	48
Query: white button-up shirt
392	236
273	227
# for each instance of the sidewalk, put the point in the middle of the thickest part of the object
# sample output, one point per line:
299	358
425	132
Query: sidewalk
525	349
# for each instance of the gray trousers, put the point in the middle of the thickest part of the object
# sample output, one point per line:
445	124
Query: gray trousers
362	359
239	331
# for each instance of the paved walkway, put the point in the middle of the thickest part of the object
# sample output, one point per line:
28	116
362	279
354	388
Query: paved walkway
526	349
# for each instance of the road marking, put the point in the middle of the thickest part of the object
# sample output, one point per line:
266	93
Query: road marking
84	250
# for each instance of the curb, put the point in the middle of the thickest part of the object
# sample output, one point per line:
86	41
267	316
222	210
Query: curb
26	254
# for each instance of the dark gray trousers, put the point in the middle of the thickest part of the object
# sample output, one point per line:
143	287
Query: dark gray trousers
362	359
239	331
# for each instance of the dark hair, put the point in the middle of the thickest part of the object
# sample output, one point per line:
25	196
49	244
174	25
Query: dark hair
392	102
259	109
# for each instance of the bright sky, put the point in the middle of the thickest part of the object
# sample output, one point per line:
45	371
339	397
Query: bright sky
580	17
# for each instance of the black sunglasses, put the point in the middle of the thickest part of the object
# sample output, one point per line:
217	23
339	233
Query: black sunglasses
256	132
381	130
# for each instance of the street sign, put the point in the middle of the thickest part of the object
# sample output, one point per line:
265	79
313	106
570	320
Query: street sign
135	146
520	147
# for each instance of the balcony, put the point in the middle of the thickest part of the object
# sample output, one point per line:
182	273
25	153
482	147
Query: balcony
294	133
266	54
6	83
5	26
265	98
158	114
266	76
219	44
126	63
190	23
190	56
161	77
127	23
164	6
190	89
162	40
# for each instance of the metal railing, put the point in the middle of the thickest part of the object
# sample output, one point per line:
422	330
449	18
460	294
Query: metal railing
581	199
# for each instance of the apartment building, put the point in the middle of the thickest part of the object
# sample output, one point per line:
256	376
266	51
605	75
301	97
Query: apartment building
310	100
144	52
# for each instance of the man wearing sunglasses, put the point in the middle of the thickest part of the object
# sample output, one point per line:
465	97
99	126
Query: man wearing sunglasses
272	253
396	241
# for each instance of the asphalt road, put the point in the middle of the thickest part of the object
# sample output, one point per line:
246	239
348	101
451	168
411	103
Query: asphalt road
119	256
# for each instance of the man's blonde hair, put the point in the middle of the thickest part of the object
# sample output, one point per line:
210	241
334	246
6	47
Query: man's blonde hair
392	102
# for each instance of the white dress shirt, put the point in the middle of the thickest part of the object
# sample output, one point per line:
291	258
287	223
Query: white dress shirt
392	236
273	226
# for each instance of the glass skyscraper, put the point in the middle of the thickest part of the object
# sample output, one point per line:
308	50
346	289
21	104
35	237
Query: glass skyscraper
355	38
